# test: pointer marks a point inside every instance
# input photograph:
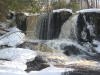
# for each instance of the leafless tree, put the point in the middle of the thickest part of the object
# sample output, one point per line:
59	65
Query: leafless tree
96	3
87	1
80	4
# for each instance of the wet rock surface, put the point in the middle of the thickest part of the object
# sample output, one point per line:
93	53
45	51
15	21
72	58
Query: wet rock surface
82	72
36	65
20	20
28	45
72	50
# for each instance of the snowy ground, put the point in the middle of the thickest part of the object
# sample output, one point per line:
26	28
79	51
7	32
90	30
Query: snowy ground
13	60
51	71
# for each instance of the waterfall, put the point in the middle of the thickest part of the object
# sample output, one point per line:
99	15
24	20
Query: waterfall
68	29
82	28
49	24
41	30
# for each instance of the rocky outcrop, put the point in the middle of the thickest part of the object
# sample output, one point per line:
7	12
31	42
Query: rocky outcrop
20	20
36	65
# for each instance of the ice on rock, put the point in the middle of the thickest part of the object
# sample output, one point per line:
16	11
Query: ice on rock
64	9
89	10
17	54
12	65
12	38
12	72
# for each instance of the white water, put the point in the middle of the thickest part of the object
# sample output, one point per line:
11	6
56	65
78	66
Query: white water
69	29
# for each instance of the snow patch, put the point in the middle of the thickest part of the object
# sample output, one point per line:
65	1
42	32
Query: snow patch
13	60
51	71
89	10
31	14
12	38
64	9
12	72
12	65
17	54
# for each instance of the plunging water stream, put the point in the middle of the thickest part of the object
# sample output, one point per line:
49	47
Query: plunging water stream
50	24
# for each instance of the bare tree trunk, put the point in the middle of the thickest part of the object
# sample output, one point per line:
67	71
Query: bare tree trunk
88	6
91	4
80	4
96	4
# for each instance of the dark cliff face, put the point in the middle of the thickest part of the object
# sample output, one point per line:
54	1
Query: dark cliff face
97	25
50	24
20	20
88	23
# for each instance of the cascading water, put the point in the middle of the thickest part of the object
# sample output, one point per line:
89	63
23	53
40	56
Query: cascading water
82	28
78	27
68	29
49	25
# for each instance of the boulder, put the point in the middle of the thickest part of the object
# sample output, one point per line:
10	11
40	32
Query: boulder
36	65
